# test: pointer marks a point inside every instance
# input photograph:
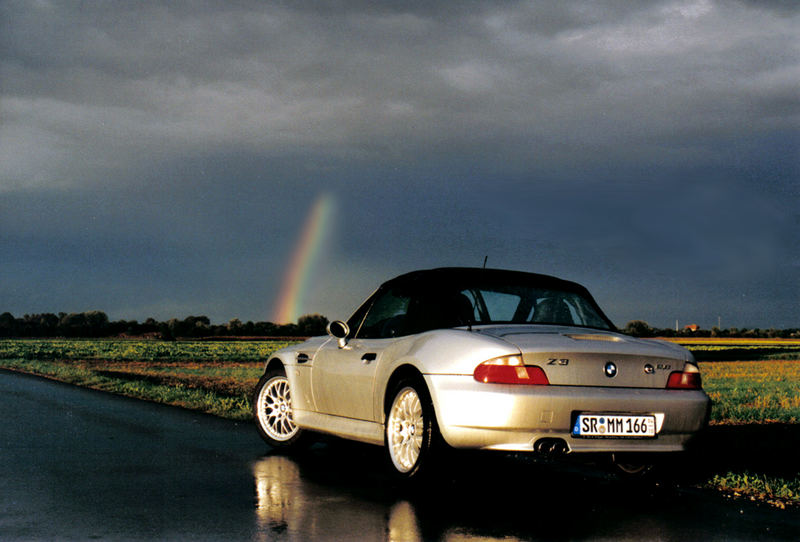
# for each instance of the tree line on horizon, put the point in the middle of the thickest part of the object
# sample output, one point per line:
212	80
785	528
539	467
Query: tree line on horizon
640	328
96	324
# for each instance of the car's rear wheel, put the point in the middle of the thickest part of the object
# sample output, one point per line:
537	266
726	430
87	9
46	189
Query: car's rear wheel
272	409
411	433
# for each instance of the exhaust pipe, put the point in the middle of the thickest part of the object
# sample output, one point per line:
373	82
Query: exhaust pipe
551	446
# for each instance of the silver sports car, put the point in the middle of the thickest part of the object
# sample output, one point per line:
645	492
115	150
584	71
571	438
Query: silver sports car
483	359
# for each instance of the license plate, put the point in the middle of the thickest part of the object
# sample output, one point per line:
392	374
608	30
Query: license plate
614	426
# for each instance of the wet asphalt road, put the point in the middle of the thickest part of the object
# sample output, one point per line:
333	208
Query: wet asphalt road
82	465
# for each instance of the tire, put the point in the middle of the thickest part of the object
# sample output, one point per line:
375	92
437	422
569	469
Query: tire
272	410
411	435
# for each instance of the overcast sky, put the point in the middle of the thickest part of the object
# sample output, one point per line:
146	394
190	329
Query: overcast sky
160	159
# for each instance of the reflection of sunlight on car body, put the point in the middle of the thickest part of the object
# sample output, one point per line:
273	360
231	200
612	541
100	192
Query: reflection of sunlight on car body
489	410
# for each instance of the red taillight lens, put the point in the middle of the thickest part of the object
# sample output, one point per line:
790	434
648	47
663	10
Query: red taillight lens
684	380
509	370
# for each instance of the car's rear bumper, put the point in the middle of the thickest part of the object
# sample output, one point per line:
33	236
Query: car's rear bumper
471	414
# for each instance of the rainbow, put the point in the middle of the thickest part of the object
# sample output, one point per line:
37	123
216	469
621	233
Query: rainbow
296	280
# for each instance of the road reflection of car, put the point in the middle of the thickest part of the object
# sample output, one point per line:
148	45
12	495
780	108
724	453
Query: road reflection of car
483	359
291	508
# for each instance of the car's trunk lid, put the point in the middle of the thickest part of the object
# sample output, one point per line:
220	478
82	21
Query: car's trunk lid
581	357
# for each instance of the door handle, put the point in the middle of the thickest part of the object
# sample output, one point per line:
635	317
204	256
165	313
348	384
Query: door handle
370	356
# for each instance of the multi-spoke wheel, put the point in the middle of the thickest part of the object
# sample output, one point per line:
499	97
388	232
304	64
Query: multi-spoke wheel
272	408
410	429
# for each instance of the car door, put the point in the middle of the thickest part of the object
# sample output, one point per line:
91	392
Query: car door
343	379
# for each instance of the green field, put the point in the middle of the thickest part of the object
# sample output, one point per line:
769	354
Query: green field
753	391
756	401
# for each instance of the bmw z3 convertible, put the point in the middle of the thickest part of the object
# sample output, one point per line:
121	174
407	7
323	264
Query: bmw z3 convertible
483	359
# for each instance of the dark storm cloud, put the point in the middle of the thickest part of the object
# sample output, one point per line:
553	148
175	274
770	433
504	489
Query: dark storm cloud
654	142
380	84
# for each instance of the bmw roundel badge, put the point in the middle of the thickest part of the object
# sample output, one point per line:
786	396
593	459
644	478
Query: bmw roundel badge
611	369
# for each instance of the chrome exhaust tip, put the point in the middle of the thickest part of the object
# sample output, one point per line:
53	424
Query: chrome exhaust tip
551	446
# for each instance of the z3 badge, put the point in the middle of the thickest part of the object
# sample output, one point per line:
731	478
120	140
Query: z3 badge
558	361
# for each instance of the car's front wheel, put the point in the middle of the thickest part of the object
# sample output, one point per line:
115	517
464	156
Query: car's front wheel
411	433
272	409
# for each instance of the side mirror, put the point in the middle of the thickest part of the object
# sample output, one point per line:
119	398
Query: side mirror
339	329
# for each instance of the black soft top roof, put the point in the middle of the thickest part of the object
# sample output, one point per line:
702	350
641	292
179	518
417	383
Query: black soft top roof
449	278
442	276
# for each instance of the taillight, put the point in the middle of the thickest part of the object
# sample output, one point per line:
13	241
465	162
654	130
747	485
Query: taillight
509	370
688	379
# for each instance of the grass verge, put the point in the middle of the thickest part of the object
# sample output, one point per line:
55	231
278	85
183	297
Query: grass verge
778	492
216	377
215	397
